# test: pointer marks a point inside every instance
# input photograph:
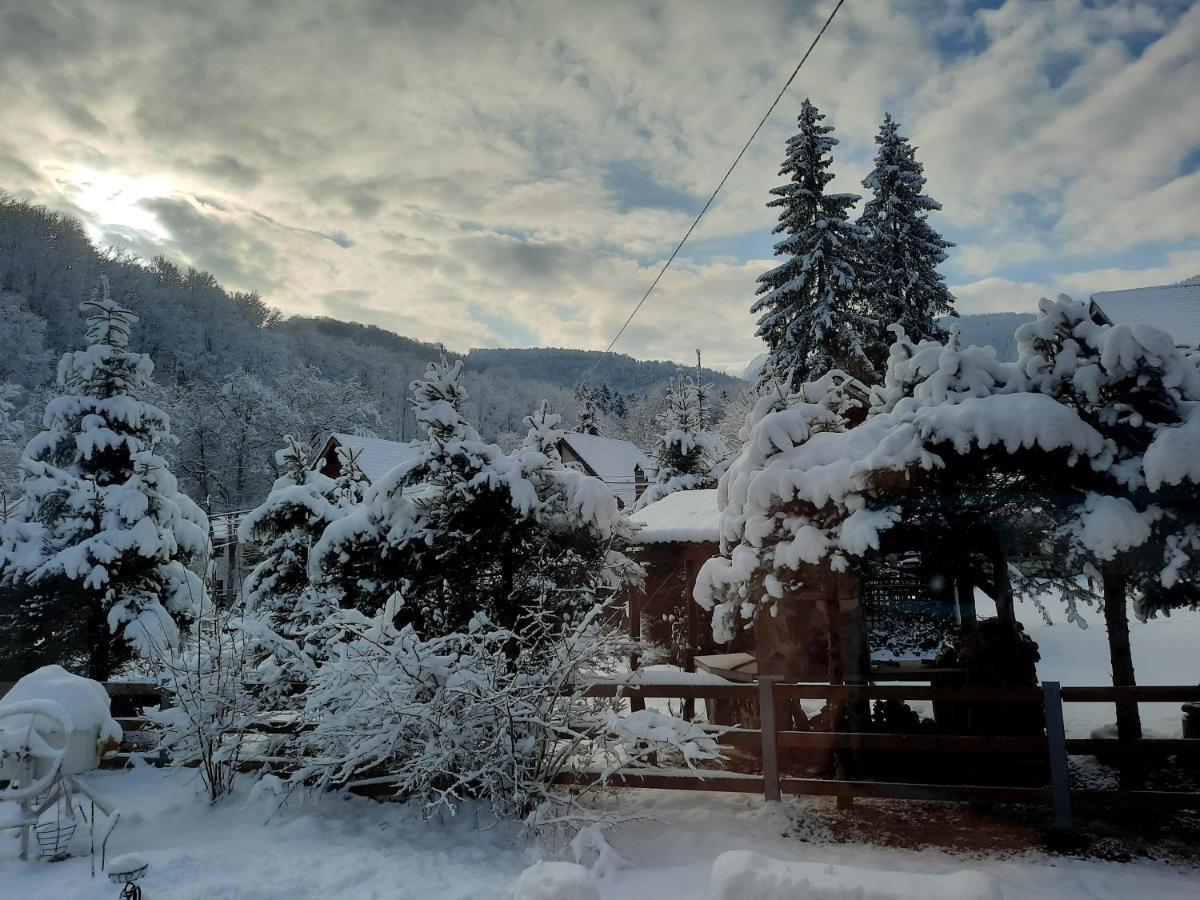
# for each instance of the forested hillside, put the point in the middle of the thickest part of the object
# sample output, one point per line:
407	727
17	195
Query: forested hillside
236	376
566	367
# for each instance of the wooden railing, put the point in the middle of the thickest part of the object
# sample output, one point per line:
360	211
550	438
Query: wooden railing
1052	747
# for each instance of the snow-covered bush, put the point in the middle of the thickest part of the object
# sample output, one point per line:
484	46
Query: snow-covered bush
101	548
466	529
458	717
211	703
278	592
686	450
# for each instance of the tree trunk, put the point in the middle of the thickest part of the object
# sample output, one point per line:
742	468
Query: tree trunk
99	643
1116	620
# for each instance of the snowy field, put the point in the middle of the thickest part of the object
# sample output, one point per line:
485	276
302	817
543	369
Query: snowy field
354	848
1165	651
359	849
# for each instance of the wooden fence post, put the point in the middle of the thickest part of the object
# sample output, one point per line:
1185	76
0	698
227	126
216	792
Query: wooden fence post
1056	743
770	736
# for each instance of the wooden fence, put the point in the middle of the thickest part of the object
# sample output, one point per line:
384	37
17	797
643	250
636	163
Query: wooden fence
1053	747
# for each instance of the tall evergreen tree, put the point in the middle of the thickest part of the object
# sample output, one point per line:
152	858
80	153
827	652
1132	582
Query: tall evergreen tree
811	314
685	449
899	274
98	558
278	592
590	413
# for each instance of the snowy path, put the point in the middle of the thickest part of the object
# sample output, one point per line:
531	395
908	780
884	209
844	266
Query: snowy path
359	849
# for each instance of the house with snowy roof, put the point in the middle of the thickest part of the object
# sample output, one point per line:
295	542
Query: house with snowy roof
622	465
374	456
1173	308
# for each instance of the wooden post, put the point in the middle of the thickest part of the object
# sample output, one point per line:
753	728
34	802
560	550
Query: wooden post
690	571
636	702
1056	741
770	736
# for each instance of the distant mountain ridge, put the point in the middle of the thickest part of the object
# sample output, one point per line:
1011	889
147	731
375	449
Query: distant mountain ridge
567	367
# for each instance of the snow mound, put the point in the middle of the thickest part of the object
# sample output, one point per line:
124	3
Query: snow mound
744	873
555	881
84	701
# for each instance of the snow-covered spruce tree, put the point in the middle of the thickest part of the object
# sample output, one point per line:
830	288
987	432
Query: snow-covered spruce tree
686	450
543	434
278	591
899	276
466	529
590	417
810	307
102	547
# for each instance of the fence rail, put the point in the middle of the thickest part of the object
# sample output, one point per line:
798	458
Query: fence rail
1053	747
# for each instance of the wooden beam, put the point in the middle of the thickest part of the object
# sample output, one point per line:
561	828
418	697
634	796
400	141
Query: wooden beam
840	692
769	738
636	596
750	738
1139	694
697	780
884	790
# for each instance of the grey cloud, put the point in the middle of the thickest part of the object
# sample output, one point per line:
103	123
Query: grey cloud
13	169
522	157
230	252
363	198
80	117
227	169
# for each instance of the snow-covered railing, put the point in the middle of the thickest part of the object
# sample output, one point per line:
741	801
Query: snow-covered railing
1051	747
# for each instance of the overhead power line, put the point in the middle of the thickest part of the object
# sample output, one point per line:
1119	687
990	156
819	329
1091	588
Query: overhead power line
733	165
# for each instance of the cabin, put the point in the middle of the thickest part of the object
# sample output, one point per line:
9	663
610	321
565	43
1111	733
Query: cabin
622	465
1173	308
901	621
675	536
375	456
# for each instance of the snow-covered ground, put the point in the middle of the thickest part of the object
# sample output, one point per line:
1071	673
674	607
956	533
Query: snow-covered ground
358	849
354	848
1165	651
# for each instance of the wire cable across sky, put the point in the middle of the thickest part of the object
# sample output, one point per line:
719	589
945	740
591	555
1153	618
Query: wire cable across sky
687	234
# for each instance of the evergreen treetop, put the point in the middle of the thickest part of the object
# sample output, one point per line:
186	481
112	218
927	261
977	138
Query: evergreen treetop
902	250
810	310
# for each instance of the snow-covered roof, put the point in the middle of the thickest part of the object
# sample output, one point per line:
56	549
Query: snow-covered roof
376	456
1173	308
685	517
612	460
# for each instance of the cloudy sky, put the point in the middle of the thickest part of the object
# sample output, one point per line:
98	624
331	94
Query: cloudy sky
513	173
